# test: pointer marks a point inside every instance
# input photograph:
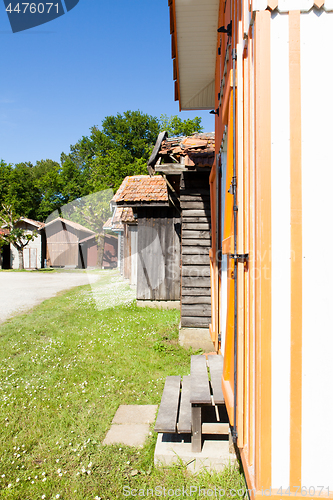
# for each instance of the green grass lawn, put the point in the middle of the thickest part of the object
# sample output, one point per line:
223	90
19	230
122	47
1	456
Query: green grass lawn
65	368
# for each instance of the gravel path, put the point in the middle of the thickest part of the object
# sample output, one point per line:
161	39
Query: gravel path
21	291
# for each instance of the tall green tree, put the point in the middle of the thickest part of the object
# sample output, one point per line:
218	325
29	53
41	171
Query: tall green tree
134	131
47	180
23	194
5	173
176	127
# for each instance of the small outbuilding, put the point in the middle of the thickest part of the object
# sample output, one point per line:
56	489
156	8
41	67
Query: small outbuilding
88	250
119	224
62	242
156	259
34	252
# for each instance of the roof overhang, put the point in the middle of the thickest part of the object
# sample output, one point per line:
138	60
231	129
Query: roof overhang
193	26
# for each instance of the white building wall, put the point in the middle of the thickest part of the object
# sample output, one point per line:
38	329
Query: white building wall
35	245
317	173
281	273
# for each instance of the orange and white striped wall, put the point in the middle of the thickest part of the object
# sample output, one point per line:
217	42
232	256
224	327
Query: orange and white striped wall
284	178
279	105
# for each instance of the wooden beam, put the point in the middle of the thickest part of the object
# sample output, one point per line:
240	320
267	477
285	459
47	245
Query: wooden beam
215	428
184	419
167	415
200	391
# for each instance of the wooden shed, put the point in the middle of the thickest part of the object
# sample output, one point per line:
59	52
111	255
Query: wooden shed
35	252
186	164
62	242
88	252
124	225
158	237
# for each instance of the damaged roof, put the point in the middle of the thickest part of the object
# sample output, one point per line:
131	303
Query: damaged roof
182	153
142	190
122	215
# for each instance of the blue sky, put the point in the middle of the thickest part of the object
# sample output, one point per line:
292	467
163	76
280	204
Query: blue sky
61	78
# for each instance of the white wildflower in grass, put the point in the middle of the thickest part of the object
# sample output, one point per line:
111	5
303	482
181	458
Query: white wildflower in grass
43	496
10	485
57	496
89	465
3	475
17	480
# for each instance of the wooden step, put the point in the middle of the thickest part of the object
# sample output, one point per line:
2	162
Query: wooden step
215	428
184	420
200	391
215	364
168	412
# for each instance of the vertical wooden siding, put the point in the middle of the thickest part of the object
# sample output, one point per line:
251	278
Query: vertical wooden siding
158	254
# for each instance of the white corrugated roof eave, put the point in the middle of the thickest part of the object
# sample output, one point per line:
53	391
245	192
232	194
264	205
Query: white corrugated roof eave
197	24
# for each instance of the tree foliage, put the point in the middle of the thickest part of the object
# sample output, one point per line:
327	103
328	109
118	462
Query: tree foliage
176	127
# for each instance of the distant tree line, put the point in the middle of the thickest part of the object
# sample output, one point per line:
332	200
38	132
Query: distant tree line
96	162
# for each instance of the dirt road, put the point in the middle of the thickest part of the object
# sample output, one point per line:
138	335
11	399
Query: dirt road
20	291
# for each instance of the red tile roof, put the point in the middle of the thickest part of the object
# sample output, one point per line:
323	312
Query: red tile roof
139	189
122	215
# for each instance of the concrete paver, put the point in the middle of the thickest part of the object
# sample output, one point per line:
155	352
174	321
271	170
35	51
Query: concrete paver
129	434
135	414
170	448
130	425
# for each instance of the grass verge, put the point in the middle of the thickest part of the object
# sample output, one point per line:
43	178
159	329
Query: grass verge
65	368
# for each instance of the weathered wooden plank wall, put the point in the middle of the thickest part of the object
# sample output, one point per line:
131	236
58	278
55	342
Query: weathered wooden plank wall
158	254
196	242
121	252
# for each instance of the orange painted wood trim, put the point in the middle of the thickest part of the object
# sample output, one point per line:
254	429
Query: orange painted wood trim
174	40
263	248
228	209
226	97
272	4
228	245
296	249
274	495
246	246
251	254
249	473
229	399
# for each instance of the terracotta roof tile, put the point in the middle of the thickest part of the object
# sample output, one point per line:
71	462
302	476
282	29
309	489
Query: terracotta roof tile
142	188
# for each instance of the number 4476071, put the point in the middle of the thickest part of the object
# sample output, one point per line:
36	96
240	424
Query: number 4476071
32	8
